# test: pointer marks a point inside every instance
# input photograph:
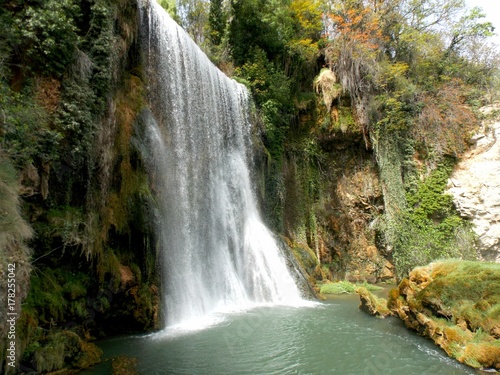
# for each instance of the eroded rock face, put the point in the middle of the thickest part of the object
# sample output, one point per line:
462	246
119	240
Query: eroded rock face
475	186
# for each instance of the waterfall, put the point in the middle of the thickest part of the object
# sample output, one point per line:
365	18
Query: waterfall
216	254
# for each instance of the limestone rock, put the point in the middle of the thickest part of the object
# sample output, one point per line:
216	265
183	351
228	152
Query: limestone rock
371	304
475	187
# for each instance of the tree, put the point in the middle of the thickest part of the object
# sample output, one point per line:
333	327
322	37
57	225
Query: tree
355	39
47	34
193	16
217	20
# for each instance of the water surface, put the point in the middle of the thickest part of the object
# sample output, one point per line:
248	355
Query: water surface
333	337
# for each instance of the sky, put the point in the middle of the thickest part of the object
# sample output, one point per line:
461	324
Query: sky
492	10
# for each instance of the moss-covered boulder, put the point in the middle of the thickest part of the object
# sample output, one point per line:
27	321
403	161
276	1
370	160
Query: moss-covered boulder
371	304
457	305
66	349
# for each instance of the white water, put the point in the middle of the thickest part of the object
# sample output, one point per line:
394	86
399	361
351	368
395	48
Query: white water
217	255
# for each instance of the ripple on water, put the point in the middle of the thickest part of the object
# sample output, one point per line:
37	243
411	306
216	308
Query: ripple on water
325	339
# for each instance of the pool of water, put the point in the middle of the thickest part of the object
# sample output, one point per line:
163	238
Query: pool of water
332	337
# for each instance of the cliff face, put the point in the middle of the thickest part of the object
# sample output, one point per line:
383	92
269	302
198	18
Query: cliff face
327	198
348	210
68	130
475	186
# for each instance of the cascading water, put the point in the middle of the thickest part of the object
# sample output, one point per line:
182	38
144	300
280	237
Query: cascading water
216	253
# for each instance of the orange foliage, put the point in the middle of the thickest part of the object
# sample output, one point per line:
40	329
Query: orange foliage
356	23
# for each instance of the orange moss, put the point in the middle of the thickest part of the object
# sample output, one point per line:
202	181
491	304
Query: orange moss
464	297
481	355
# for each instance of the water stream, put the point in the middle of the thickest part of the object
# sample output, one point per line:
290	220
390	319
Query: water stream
216	254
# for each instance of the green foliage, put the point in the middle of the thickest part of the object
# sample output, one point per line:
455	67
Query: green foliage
272	93
65	348
170	6
429	228
193	16
469	27
58	295
345	287
26	134
66	223
217	21
55	80
47	34
395	117
252	28
428	201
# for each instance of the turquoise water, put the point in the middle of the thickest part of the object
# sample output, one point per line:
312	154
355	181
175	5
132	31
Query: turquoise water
333	337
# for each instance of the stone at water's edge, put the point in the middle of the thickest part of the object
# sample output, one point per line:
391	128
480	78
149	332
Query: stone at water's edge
457	305
371	304
475	186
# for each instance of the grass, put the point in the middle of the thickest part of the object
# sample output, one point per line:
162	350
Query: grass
457	304
468	291
345	287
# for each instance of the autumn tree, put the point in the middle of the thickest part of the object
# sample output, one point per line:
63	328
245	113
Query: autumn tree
355	42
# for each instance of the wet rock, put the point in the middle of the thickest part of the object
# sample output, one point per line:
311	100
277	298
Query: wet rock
126	276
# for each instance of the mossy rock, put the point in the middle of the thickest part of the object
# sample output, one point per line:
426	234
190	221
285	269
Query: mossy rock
457	304
123	365
372	304
306	257
66	349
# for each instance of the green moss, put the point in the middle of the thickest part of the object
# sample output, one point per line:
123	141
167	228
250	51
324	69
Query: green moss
372	304
459	288
455	303
65	348
123	365
68	223
344	120
345	287
306	257
57	295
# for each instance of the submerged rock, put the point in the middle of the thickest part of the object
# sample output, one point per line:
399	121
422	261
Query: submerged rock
123	365
457	305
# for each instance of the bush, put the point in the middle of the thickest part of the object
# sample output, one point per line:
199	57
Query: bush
429	228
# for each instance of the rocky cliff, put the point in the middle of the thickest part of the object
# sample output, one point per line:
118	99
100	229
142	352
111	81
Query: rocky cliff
475	185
